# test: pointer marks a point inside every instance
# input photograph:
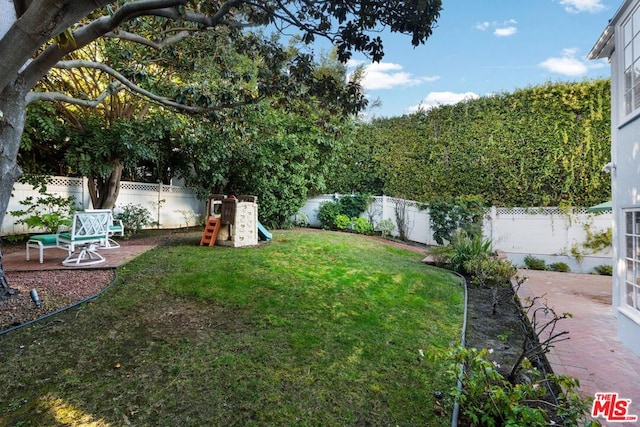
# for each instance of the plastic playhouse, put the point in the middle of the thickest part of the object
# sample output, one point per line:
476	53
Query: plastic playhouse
233	221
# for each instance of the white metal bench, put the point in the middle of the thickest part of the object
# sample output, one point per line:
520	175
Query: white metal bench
114	228
89	231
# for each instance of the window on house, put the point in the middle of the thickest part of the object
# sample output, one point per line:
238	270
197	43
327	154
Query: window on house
631	290
631	43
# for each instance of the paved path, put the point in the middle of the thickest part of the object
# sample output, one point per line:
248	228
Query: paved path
593	354
15	259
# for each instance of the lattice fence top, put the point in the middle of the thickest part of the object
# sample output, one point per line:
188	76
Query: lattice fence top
173	189
139	186
66	181
540	211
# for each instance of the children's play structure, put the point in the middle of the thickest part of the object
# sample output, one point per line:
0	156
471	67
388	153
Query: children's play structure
233	221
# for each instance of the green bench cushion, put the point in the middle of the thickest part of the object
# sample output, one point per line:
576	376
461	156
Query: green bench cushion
67	236
45	239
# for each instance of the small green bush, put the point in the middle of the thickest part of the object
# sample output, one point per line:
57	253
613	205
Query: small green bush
327	213
350	206
47	212
342	222
490	271
353	205
561	267
533	263
467	248
361	225
604	269
385	227
134	218
301	220
487	398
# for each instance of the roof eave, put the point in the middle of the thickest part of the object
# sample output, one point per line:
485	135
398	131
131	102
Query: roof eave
605	45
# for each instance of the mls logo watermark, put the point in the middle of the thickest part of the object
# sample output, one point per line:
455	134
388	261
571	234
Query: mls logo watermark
612	408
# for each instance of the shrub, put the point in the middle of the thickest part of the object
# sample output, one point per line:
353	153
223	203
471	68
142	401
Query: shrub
351	206
47	212
385	227
466	248
487	398
561	267
449	216
301	220
134	218
342	222
604	269
533	263
361	225
489	271
327	213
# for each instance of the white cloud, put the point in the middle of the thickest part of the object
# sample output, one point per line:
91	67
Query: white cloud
387	75
578	6
435	99
505	32
500	29
568	64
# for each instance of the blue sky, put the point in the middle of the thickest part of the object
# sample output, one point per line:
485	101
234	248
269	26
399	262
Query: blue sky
480	47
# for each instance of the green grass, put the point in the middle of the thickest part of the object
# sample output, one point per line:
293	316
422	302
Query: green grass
314	328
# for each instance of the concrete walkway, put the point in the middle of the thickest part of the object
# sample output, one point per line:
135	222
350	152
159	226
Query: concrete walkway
592	353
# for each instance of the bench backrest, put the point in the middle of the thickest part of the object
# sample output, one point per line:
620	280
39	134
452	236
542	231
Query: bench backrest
90	225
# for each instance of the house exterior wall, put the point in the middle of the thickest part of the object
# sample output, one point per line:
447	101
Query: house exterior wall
625	177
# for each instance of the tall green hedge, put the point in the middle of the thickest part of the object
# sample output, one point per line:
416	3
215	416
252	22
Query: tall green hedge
538	146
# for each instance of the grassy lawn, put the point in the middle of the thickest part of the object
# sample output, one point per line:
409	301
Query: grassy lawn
314	328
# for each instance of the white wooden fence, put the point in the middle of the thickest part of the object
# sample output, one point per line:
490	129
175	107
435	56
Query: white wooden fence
546	233
169	205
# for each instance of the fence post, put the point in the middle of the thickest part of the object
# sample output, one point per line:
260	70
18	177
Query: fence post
86	200
159	202
384	207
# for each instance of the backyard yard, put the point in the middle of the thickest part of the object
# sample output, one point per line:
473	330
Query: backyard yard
313	328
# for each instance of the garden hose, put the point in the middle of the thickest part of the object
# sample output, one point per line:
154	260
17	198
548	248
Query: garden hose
62	310
456	405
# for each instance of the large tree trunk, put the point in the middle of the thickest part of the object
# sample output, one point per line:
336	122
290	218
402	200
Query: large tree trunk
104	192
12	120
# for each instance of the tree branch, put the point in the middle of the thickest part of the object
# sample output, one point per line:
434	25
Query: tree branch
57	96
135	38
42	21
132	87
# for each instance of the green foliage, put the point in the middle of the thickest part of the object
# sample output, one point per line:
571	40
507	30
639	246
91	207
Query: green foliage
598	241
342	221
449	216
533	263
327	213
561	267
361	225
487	398
604	269
538	146
467	248
353	205
489	271
46	212
349	206
134	218
385	227
301	220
